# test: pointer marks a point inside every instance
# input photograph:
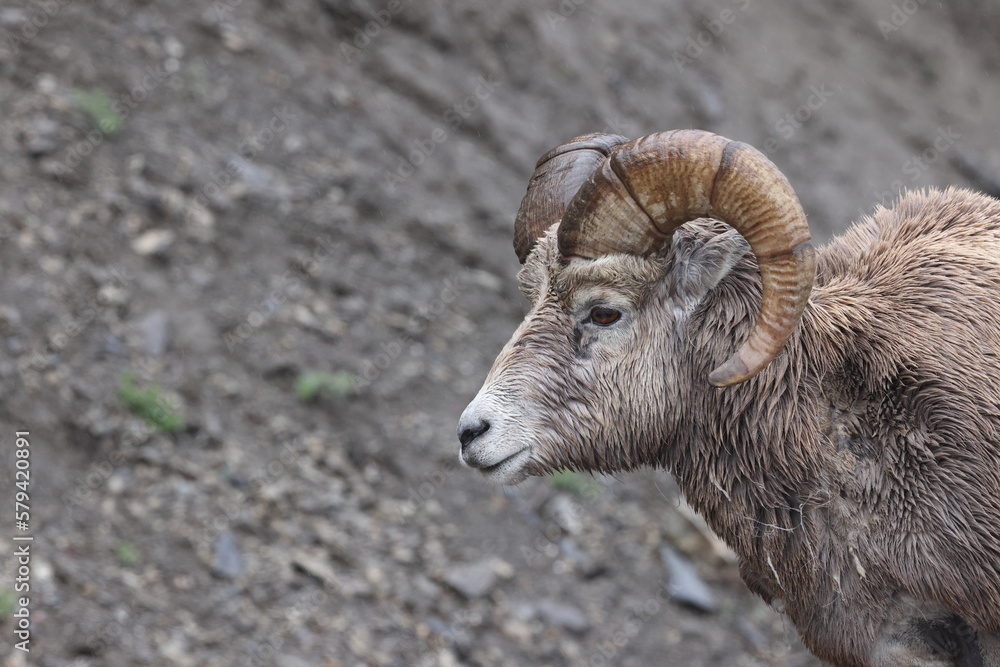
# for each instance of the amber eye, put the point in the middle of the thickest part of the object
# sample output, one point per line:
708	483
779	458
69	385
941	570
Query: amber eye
604	316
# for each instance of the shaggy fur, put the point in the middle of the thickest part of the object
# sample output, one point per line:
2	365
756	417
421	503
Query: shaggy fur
857	477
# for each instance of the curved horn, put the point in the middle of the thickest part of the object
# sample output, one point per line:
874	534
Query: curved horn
558	176
649	187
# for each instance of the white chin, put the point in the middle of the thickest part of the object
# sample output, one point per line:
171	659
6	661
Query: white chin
508	469
510	472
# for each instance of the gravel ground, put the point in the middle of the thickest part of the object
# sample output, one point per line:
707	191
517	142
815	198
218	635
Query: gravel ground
208	210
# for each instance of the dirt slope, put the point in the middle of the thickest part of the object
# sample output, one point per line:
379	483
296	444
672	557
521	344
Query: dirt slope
262	189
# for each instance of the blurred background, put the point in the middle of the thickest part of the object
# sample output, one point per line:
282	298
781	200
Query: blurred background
256	257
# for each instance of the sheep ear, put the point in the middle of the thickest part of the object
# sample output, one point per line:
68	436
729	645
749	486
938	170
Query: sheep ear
701	264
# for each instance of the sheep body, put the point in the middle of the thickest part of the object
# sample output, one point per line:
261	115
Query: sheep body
857	476
885	410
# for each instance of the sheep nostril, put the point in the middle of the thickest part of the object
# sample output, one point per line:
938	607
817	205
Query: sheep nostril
472	432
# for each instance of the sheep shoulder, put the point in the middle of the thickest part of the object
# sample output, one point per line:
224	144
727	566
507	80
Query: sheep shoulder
881	420
903	337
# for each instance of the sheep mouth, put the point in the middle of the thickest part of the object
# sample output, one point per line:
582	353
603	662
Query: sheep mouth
511	468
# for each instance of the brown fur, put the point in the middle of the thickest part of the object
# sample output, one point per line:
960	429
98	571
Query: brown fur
858	476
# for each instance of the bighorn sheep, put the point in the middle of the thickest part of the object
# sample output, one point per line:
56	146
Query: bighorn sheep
848	451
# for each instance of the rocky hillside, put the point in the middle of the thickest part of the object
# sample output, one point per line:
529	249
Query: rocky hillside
256	257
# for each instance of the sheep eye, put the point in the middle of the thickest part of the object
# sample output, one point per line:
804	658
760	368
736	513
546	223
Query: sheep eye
604	316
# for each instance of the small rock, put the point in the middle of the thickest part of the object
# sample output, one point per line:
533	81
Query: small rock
233	41
153	242
442	628
685	586
587	566
40	137
517	629
112	295
42	570
213	425
425	587
113	346
341	95
566	513
502	568
563	615
14	346
173	47
200	276
177	651
354	588
359	640
155	332
200	221
258	180
51	264
473	580
316	564
228	561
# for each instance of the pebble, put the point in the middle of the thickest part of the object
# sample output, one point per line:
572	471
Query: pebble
112	345
562	615
587	566
685	586
155	332
228	561
40	137
473	580
173	47
153	242
317	564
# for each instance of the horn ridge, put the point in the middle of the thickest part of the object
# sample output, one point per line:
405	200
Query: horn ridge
646	188
558	176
